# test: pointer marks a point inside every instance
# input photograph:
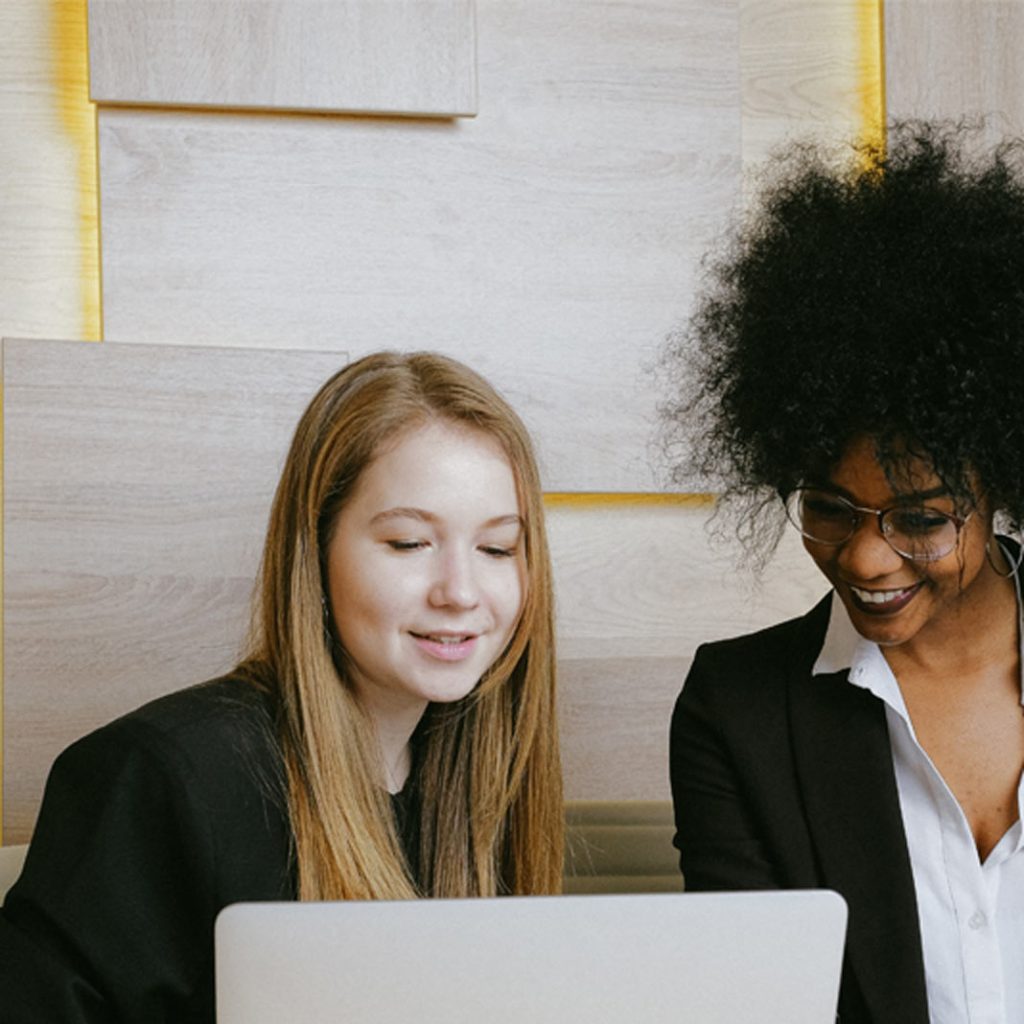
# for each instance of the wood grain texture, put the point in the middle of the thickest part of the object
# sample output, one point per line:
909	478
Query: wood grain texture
552	242
804	72
638	590
49	252
137	483
956	58
404	57
655	581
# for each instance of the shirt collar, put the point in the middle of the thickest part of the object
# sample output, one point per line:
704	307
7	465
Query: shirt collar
845	649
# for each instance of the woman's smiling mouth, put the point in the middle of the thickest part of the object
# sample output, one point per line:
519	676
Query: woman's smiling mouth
446	646
883	602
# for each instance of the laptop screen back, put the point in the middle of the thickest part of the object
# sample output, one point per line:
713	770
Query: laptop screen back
731	958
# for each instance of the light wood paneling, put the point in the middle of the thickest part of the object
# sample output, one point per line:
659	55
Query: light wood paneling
808	68
956	58
552	241
354	56
49	250
137	482
639	588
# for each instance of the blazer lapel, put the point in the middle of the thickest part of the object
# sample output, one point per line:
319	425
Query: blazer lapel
844	768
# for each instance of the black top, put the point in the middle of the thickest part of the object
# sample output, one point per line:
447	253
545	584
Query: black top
148	828
784	780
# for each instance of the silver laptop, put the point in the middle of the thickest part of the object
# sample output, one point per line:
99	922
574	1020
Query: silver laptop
701	958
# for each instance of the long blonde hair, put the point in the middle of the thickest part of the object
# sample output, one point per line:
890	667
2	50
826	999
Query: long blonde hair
489	771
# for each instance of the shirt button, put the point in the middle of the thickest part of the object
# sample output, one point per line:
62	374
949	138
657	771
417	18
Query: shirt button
977	920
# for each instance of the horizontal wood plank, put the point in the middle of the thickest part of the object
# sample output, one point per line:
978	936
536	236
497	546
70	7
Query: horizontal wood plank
639	588
402	57
137	484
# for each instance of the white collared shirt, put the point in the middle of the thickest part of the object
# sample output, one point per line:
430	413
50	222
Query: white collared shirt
971	914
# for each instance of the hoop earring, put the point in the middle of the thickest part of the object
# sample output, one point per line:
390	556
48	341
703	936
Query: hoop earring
1014	565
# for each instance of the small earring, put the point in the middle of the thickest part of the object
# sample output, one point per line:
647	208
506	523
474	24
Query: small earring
1014	565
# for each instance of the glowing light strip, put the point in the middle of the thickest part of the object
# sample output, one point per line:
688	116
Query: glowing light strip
616	499
77	114
871	69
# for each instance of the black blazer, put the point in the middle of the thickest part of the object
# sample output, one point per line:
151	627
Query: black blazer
785	780
148	827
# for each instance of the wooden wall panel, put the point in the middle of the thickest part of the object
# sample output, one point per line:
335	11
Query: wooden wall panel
49	251
137	483
808	67
552	241
356	56
640	586
956	58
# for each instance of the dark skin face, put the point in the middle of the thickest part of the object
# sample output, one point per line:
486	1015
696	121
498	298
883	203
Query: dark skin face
893	600
948	629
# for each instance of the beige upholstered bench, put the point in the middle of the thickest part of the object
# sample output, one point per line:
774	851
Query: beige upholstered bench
620	846
11	859
611	846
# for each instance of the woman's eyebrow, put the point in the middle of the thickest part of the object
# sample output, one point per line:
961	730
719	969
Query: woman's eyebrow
512	519
903	498
404	513
939	491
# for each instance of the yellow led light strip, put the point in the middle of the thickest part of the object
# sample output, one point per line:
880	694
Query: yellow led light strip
77	118
602	499
871	69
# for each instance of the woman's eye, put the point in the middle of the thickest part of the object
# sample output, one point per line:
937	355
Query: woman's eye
406	545
498	551
917	521
822	508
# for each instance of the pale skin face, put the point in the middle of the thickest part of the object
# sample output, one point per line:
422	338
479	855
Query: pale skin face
426	576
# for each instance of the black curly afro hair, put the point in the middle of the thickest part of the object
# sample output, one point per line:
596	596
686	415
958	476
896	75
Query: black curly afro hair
886	299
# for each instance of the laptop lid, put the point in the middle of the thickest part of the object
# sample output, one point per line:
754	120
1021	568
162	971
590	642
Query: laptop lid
701	958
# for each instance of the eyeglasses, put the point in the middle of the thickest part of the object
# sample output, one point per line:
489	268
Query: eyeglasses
913	531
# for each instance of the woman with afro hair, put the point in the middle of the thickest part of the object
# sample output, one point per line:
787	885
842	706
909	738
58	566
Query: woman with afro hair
856	365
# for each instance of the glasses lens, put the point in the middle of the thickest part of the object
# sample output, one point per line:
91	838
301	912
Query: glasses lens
925	534
821	516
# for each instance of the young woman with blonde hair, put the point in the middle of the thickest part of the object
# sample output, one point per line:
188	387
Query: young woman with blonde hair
391	732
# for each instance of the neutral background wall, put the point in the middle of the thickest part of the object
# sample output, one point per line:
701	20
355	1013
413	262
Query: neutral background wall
263	195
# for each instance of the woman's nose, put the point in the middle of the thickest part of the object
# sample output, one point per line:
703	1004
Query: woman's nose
455	585
867	554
